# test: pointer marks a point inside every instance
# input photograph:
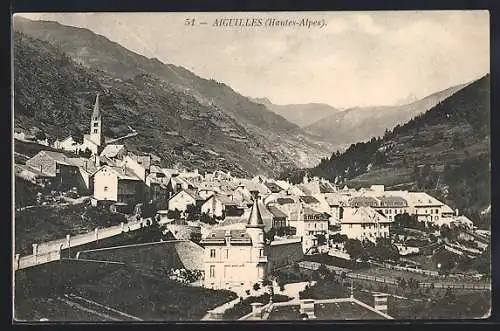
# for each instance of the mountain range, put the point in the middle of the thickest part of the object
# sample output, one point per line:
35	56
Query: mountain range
356	124
301	114
185	119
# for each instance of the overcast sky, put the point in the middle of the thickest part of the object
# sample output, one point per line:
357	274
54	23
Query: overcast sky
357	59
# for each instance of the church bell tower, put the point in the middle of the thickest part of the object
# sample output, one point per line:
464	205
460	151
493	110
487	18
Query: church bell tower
96	124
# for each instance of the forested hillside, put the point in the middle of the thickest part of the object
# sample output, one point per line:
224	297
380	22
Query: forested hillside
445	151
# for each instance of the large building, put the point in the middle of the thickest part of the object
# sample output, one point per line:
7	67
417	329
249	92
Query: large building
235	258
364	223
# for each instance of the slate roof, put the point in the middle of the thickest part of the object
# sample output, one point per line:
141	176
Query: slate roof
363	201
309	199
276	212
392	201
218	236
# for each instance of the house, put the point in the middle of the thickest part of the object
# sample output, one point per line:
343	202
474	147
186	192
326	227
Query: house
67	144
364	223
76	172
193	177
279	218
118	184
334	203
425	207
177	184
156	187
184	198
236	258
216	205
315	222
66	172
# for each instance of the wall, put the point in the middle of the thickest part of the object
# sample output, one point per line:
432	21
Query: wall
212	207
105	185
180	201
282	253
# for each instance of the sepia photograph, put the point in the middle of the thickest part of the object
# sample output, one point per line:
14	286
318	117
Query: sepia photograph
251	166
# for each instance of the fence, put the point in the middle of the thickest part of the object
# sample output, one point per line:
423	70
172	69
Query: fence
51	250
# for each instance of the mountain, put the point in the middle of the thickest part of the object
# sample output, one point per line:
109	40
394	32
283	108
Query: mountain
445	151
182	117
301	114
360	123
411	98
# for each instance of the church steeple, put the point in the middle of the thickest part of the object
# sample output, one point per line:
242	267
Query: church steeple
255	219
96	124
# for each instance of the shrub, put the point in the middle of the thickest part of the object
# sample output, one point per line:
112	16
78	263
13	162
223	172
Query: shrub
256	286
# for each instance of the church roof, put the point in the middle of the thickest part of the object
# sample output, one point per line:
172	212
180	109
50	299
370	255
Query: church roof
255	219
96	112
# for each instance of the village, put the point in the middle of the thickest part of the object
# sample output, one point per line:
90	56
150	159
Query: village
254	236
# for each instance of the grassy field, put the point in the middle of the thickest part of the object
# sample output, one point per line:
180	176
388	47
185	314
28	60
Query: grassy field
462	305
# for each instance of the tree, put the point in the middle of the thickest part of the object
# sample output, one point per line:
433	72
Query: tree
354	248
323	270
77	134
40	135
87	153
174	214
269	235
256	286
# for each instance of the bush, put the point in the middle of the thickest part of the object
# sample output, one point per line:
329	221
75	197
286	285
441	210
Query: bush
256	286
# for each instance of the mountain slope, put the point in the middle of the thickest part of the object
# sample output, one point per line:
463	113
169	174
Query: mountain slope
54	94
301	114
445	151
274	133
361	123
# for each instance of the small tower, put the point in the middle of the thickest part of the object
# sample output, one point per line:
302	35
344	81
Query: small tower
96	124
255	230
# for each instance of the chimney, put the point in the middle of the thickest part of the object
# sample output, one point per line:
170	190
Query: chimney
380	302
307	308
97	160
229	173
456	212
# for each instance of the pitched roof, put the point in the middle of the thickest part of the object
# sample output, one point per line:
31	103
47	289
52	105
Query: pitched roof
392	201
96	112
423	199
112	150
255	219
276	212
273	187
359	215
128	174
309	199
284	201
363	201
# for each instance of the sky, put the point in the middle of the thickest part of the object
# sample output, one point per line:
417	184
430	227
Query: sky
351	59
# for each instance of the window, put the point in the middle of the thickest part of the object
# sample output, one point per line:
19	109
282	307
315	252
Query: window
105	189
261	252
435	218
227	253
95	130
212	271
95	118
212	253
437	211
350	226
96	124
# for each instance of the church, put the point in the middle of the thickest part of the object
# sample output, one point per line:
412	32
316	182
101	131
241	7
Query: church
93	141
